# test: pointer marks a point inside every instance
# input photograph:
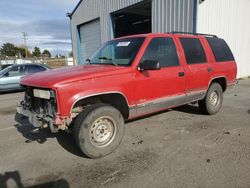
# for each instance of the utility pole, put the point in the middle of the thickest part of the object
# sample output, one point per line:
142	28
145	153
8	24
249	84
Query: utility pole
25	43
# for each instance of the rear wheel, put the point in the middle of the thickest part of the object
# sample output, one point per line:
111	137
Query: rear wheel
212	102
98	130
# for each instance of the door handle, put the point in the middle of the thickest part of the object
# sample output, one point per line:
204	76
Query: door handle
181	74
209	70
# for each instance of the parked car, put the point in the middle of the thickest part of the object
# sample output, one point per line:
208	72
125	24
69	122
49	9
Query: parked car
5	66
127	78
10	76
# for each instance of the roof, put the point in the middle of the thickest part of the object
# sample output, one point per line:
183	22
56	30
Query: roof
78	4
39	64
168	33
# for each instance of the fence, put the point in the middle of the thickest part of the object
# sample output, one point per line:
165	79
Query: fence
52	62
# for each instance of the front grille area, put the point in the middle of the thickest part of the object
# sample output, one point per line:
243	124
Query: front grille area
42	107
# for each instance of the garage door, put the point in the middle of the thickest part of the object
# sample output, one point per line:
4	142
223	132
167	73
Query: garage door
90	37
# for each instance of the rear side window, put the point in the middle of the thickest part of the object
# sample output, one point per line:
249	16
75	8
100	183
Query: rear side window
162	50
194	51
34	68
220	49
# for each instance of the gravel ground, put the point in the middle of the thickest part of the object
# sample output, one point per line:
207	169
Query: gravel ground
175	148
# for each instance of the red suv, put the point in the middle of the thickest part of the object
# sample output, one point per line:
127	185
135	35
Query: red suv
126	78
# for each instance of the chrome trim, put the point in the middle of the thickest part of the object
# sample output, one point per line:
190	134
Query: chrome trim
165	103
195	95
155	105
103	93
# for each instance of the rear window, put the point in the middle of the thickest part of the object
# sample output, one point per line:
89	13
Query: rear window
35	68
220	50
194	51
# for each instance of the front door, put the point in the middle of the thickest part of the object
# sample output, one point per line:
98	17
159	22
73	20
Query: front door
11	79
160	89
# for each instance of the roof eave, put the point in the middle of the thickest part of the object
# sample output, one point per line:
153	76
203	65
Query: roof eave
78	4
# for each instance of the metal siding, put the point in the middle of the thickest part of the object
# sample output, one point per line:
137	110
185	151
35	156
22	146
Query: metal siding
172	15
90	38
167	15
229	19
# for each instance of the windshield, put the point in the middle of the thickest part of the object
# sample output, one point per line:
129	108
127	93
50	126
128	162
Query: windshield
117	52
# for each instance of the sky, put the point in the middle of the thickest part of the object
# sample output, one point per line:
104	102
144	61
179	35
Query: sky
44	21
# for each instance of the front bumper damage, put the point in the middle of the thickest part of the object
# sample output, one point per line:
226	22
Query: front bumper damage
36	120
41	112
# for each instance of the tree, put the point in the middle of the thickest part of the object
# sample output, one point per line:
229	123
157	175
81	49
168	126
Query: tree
9	49
46	53
21	51
36	52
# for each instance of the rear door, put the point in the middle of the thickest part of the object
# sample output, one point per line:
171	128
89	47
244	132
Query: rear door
160	89
197	69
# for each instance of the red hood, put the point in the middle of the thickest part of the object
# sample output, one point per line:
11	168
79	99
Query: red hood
59	76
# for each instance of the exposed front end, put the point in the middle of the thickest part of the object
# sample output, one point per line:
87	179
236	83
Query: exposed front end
40	106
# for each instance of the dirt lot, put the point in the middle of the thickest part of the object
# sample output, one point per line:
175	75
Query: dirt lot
176	148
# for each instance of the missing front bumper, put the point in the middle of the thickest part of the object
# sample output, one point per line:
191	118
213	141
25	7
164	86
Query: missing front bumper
37	121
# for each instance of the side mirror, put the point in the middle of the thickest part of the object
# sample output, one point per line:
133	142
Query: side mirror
149	65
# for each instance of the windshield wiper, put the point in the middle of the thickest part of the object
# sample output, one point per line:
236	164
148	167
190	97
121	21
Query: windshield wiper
108	59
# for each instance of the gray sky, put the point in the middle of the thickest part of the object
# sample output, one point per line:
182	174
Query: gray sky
44	21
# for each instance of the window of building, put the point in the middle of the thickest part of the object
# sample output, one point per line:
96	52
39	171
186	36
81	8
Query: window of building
194	51
220	49
162	50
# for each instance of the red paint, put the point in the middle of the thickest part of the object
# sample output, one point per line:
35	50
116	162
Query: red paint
74	83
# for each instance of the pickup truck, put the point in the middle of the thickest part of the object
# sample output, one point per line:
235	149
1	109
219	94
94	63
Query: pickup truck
127	78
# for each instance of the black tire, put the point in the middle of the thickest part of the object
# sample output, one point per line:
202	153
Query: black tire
86	128
209	106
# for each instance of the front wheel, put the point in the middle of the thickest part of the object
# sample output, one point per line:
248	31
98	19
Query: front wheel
98	130
212	102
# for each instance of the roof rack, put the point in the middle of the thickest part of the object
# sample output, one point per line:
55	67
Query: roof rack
190	33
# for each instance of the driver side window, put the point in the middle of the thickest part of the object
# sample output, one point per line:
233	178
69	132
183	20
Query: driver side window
15	71
162	50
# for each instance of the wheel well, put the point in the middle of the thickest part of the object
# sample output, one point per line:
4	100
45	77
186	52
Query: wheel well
222	81
114	99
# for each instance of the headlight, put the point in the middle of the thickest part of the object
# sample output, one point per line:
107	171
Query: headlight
39	93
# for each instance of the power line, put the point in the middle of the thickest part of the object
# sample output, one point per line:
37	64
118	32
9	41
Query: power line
25	38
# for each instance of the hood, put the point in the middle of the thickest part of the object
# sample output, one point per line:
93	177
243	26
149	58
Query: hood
51	78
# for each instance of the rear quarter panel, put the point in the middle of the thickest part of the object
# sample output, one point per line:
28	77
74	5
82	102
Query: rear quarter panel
227	69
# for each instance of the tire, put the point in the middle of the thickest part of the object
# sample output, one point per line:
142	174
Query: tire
213	100
98	130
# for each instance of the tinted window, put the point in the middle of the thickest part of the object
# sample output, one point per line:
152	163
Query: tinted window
194	51
162	50
220	49
15	71
34	69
